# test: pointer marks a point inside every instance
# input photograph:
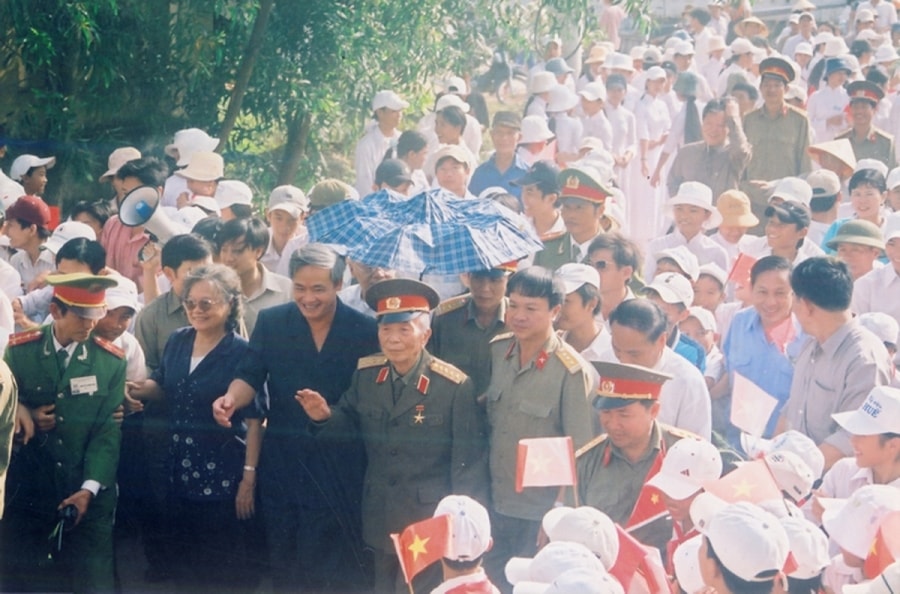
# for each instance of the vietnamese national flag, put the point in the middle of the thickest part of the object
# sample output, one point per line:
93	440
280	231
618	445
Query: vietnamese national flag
750	481
751	406
886	548
649	505
545	462
633	559
740	270
421	544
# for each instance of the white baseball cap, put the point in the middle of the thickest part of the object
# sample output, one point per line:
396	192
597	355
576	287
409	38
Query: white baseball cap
853	523
535	129
885	54
791	473
749	542
23	163
550	562
451	100
672	288
470	527
794	189
697	194
880	413
594	91
741	45
233	191
68	230
683	48
455	84
587	526
619	61
542	82
207	203
117	158
891	226
290	199
122	295
888	582
655	73
189	141
871	164
714	270
803	49
705	317
686	562
893	178
789	441
685	259
809	546
574	275
582	581
880	324
687	465
388	99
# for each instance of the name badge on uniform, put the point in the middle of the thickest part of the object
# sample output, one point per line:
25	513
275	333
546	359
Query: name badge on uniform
83	385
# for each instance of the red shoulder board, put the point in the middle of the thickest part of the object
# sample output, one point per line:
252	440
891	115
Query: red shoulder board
109	347
24	337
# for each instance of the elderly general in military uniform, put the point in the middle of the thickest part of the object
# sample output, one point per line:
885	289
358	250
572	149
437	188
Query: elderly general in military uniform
614	466
582	196
422	427
868	142
70	383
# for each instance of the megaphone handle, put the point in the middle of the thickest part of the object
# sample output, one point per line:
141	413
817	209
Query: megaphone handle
150	249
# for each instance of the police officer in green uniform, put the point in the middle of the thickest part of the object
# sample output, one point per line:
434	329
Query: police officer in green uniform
70	383
868	142
583	194
613	467
423	430
462	327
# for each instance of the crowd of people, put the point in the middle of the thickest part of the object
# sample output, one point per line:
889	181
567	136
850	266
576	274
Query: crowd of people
718	293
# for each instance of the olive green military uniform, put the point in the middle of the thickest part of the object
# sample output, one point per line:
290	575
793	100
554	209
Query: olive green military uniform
878	145
609	482
83	446
457	338
8	401
557	251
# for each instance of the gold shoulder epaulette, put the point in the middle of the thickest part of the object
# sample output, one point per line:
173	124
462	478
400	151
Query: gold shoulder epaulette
500	337
590	445
678	432
552	236
24	337
446	370
451	304
568	358
109	347
371	361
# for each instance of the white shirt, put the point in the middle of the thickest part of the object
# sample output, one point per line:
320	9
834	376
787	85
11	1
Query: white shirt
817	232
271	257
569	132
284	262
732	249
175	185
624	132
715	364
706	250
537	107
846	477
885	14
684	399
825	103
10	280
352	298
701	46
877	290
135	364
597	126
370	151
29	270
675	140
711	71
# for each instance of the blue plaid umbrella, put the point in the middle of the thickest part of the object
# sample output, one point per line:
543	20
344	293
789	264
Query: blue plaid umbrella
350	222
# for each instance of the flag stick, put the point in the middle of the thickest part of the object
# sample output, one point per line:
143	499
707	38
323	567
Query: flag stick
575	494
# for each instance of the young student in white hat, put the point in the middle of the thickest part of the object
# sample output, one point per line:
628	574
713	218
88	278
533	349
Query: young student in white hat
470	539
203	173
387	110
31	172
185	143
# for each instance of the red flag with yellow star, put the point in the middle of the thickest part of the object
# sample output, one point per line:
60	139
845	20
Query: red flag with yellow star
545	462
636	559
750	481
886	548
649	505
421	544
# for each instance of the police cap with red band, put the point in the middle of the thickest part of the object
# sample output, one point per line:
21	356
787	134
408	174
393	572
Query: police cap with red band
400	299
621	384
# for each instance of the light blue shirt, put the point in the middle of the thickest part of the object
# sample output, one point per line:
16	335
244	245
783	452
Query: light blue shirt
487	175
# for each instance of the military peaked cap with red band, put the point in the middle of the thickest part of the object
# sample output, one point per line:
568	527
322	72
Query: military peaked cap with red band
84	293
865	90
777	67
399	299
583	182
622	384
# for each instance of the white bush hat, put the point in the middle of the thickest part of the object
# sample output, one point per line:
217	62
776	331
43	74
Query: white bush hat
834	47
542	82
655	73
550	562
189	141
820	38
705	317
117	158
582	581
741	45
879	413
594	91
686	562
749	542
470	526
687	465
809	546
575	275
853	523
587	526
882	325
23	163
789	441
888	582
451	100
619	61
685	258
672	288
885	54
794	189
697	194
535	129
290	199
66	231
803	49
562	99
388	99
204	166
716	43
683	48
